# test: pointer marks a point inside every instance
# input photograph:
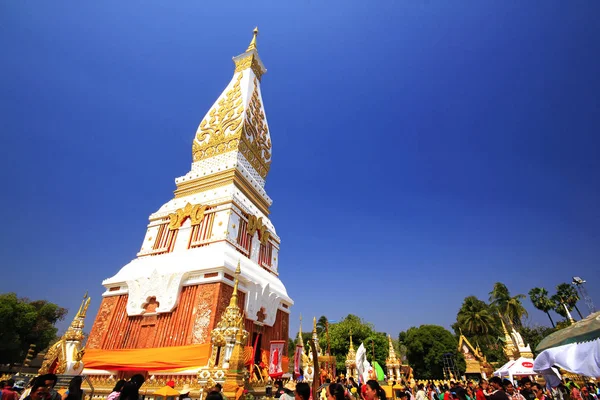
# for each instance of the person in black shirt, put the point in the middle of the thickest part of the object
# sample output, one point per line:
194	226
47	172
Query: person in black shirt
498	393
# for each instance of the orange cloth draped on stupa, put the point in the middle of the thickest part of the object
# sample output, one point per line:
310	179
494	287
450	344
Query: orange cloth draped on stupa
151	359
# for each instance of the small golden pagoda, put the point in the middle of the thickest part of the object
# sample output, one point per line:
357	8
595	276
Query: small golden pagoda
226	361
393	363
510	350
64	357
351	361
477	363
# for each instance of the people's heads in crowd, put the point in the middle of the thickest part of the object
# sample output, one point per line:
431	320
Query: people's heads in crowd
495	383
214	396
508	386
39	391
525	383
335	391
49	380
119	385
138	380
302	391
374	391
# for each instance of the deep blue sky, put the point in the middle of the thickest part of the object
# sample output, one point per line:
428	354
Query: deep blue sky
422	150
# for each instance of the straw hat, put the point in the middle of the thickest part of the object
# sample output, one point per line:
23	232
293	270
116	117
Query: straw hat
290	385
186	389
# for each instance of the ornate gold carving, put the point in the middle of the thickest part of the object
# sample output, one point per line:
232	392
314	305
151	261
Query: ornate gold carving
225	130
256	145
195	213
249	61
255	224
222	131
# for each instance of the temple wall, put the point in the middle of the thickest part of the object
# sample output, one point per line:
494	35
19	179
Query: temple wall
199	310
103	318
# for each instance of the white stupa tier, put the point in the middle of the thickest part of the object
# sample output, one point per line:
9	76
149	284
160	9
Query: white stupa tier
219	214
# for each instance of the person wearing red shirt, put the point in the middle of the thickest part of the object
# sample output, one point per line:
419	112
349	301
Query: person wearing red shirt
480	393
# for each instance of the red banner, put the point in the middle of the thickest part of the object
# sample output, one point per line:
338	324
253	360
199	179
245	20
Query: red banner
276	354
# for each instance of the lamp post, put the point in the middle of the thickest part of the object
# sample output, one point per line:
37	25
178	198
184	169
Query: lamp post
579	284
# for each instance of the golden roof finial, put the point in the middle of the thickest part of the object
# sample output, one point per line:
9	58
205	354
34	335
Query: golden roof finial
351	345
233	301
315	325
84	306
252	45
300	341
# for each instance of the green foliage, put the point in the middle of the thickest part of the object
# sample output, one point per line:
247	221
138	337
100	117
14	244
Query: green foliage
539	299
362	332
569	296
510	306
426	346
475	318
24	322
322	323
534	335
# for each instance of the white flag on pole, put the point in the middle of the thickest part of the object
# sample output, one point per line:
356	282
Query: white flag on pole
362	365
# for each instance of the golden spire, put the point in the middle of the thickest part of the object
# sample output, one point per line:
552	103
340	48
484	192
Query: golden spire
233	301
351	356
392	358
314	326
84	306
252	45
300	341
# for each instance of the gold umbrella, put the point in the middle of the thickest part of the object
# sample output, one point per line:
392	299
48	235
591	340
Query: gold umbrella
167	391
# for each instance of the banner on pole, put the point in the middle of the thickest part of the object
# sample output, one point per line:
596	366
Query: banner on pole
276	353
298	360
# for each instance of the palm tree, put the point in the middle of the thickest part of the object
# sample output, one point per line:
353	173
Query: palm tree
561	306
569	295
322	325
475	317
540	300
510	306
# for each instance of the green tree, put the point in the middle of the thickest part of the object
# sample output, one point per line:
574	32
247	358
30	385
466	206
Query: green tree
559	307
569	295
362	332
475	318
322	323
24	322
510	306
425	348
539	299
534	335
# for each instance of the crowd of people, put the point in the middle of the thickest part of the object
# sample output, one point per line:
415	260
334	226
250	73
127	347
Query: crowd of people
494	389
42	388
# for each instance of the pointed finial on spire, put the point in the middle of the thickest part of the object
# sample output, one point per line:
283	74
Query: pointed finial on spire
84	306
252	45
234	295
315	325
351	345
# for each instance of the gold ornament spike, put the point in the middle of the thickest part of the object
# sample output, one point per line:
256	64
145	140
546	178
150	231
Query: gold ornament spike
234	295
252	45
315	325
351	345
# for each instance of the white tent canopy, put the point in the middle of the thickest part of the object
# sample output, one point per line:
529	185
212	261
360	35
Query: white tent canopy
579	358
521	367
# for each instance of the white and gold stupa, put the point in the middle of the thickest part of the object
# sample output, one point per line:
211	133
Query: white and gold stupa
174	293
